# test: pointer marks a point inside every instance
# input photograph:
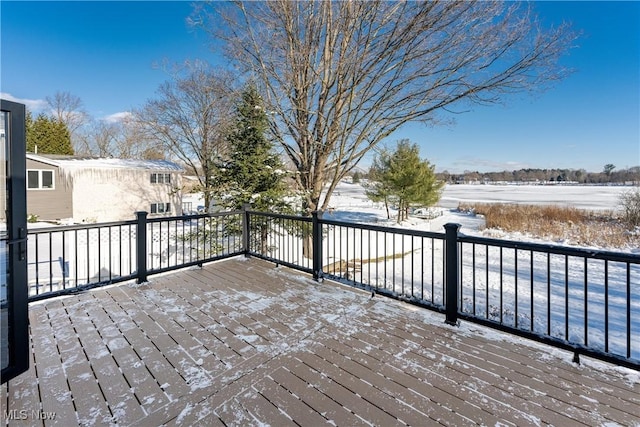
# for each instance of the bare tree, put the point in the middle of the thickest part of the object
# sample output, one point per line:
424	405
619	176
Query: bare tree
98	139
342	76
190	117
124	138
69	109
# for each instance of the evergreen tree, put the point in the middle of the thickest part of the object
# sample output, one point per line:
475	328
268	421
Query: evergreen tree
403	178
47	135
253	173
28	124
378	187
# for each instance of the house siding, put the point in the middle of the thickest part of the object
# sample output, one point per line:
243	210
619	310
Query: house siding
50	204
102	190
116	194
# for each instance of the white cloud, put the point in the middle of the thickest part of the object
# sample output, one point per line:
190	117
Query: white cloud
33	105
117	117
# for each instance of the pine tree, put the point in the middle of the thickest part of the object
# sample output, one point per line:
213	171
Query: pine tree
47	135
28	123
402	177
378	187
253	173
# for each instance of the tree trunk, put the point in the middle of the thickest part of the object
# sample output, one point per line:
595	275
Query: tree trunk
308	207
264	236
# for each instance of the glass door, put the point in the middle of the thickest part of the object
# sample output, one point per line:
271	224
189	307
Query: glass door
14	336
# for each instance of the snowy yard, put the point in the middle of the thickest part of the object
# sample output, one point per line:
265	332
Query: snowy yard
573	298
592	197
581	300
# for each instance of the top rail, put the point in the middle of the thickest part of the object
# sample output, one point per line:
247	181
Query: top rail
60	228
553	249
383	229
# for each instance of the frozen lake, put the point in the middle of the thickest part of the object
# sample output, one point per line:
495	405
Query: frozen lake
580	196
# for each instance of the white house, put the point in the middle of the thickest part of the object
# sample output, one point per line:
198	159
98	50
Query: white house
101	190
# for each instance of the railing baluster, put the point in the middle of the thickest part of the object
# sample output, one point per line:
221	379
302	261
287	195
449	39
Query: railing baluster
566	299
377	263
515	274
606	306
63	261
586	304
532	298
76	253
50	262
361	257
548	294
87	280
110	265
413	295
473	277
433	270
369	257
628	310
486	286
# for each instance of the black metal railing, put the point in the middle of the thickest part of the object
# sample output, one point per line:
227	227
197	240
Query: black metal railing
580	300
63	259
178	242
584	300
67	259
283	239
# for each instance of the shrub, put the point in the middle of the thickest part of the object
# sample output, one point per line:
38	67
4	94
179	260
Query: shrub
31	218
630	202
558	223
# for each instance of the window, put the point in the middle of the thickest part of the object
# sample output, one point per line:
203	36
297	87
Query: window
161	178
40	180
158	208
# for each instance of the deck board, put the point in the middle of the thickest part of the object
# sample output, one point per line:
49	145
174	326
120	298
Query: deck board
242	342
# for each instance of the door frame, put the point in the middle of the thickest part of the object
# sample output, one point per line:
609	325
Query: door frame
16	220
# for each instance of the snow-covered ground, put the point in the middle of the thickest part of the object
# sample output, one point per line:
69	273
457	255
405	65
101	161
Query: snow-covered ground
569	297
592	197
350	203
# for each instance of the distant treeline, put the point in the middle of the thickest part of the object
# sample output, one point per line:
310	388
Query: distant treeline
581	176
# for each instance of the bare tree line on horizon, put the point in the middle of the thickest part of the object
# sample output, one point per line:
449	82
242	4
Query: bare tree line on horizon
629	176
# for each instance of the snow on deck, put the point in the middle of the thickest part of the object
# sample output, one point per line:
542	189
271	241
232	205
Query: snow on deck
243	343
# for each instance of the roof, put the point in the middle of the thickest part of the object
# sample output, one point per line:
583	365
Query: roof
73	162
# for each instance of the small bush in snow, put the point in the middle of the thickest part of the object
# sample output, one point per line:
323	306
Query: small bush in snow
630	202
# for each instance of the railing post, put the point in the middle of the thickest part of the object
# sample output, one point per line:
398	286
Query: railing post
451	275
316	244
245	229
141	246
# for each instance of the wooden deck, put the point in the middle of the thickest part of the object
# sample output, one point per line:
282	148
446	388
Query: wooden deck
241	342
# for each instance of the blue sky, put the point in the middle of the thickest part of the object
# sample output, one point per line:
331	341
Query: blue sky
107	53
